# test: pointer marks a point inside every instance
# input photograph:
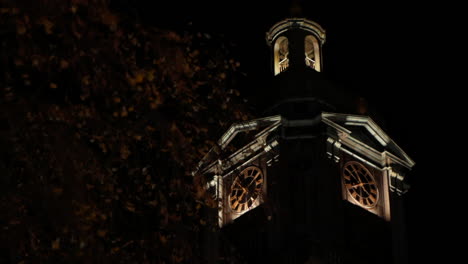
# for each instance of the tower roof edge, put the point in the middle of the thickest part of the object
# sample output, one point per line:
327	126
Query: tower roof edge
295	23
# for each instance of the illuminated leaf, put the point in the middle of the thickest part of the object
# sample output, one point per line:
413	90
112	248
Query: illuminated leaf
14	222
130	207
163	239
150	76
110	20
64	64
102	232
85	80
56	244
124	112
124	152
48	25
57	191
20	28
139	77
19	62
103	147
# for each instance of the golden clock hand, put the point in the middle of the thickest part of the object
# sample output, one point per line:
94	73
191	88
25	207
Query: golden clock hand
242	195
245	189
240	185
363	189
253	179
359	184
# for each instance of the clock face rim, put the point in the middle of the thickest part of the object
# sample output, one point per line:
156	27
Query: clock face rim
257	190
372	180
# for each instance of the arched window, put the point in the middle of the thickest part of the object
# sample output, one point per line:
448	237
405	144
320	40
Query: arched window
312	53
281	54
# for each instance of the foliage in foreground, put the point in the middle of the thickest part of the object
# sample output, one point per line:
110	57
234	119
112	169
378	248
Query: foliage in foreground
102	120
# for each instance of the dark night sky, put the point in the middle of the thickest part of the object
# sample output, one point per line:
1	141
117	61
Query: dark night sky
380	51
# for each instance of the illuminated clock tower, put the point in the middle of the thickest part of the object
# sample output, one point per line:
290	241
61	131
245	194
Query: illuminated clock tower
311	181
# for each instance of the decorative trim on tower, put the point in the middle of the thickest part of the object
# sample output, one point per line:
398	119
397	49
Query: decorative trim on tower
300	23
238	182
355	139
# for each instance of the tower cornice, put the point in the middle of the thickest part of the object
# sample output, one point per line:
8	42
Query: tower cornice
291	23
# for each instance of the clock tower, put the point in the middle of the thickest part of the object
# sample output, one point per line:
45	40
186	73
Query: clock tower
310	180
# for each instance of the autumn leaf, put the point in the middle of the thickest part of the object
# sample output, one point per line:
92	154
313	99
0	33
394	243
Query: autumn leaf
57	191
63	64
130	207
139	77
20	28
110	20
153	203
150	128
18	62
48	25
154	105
174	217
56	244
150	76
163	239
101	232
124	152
115	250
103	147
124	112
85	80
14	222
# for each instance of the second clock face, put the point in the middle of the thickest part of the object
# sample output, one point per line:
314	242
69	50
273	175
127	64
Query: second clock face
245	189
360	184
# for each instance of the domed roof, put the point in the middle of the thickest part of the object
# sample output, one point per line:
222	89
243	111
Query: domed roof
295	23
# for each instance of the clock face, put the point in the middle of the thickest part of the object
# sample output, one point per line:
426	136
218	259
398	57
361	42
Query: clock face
360	184
245	189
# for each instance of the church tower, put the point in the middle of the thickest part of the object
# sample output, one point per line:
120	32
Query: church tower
311	180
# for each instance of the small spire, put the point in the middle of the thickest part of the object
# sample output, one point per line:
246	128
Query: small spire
361	106
296	9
